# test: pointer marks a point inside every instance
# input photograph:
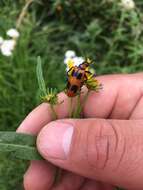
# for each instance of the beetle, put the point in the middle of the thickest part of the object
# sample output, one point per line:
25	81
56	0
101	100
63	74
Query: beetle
76	76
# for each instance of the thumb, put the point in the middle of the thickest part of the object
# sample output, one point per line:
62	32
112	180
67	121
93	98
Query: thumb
106	150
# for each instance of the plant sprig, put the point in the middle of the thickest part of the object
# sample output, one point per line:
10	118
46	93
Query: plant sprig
41	82
48	95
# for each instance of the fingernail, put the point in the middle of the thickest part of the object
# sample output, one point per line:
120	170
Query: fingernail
55	139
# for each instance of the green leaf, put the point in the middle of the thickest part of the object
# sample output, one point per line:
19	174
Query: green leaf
41	82
19	145
17	138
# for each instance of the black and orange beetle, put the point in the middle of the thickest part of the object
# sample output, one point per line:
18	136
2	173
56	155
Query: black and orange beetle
76	77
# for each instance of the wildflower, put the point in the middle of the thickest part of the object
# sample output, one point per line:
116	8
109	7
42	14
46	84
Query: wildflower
70	54
51	96
128	4
72	60
67	60
13	33
7	47
78	60
93	84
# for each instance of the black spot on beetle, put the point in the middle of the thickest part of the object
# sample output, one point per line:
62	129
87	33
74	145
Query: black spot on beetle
74	88
72	74
68	84
79	75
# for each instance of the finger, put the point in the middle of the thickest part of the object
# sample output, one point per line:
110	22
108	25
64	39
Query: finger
117	99
69	181
42	115
33	178
106	150
32	125
39	176
138	111
118	92
95	185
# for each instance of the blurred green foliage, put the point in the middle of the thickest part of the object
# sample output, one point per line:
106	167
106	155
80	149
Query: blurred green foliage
99	29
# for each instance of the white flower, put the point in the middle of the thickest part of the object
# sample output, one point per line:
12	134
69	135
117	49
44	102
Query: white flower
1	40
6	52
128	4
70	54
13	33
78	60
7	47
70	62
66	60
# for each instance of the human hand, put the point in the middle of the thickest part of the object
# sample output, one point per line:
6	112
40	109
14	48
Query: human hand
106	147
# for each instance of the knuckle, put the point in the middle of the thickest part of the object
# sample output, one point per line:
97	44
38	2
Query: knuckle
102	144
117	143
98	146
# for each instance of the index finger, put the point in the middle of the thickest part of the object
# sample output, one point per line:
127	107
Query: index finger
116	100
42	115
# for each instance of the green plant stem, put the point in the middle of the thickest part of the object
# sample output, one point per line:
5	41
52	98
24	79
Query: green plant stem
70	108
23	13
79	108
54	114
77	112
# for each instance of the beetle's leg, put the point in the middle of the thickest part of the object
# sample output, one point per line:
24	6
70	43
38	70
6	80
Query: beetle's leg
87	75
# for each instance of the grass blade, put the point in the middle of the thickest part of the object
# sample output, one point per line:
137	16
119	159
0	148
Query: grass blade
41	82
